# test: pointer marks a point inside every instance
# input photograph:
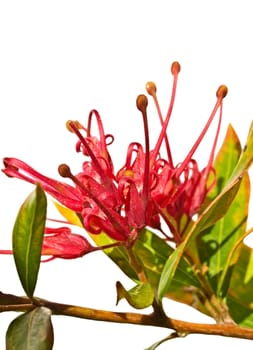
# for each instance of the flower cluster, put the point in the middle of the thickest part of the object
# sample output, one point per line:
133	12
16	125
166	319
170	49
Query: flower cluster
147	190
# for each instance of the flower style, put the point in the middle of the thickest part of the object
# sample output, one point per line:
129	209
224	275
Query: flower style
145	190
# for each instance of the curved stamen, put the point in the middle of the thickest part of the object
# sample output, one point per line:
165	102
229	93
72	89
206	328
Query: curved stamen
94	159
100	128
133	147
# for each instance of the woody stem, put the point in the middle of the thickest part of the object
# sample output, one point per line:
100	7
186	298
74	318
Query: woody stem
10	302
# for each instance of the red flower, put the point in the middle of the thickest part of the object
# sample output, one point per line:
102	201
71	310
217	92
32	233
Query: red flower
147	188
95	195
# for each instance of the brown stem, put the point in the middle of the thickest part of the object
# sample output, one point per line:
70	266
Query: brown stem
181	327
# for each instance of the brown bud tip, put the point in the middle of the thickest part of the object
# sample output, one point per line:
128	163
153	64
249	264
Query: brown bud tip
222	91
175	67
151	88
64	170
75	123
68	125
141	103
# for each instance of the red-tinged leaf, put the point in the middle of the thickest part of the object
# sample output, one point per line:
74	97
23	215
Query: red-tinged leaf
27	238
31	331
139	297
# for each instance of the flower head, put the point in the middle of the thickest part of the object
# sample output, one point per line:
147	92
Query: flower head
95	194
149	186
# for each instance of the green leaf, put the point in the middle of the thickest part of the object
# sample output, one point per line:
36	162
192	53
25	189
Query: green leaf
139	297
153	252
27	238
216	245
239	298
216	210
31	331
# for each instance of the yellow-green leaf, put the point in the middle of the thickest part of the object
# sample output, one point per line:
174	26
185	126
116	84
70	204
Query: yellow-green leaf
68	214
139	297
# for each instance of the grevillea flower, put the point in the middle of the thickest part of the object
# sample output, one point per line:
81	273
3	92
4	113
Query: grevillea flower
94	195
149	187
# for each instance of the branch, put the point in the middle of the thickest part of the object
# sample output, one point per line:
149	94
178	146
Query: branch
180	327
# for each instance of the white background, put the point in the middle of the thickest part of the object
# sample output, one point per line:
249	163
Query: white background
59	59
